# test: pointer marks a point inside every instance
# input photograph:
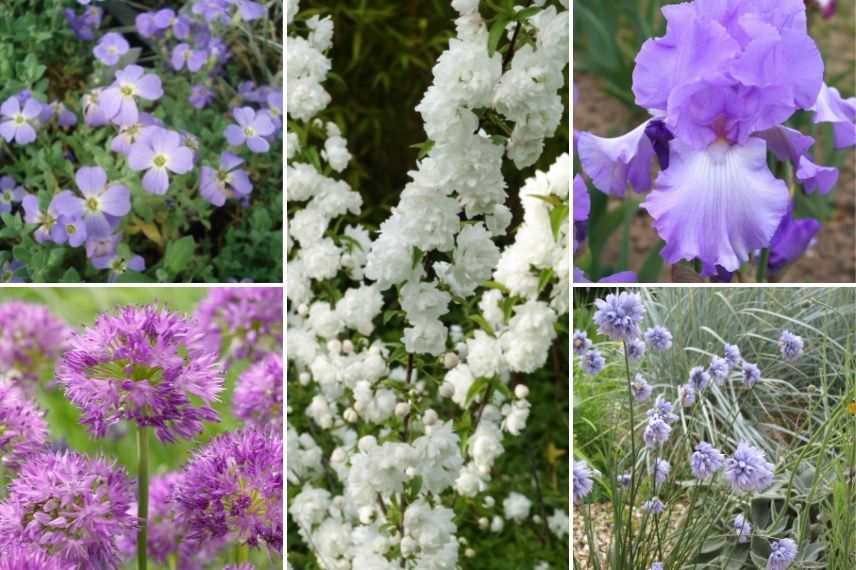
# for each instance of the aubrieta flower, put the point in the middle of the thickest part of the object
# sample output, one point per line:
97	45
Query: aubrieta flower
233	487
129	134
200	96
84	24
17	557
10	192
699	378
119	101
659	470
641	388
705	460
592	361
658	338
718	369
251	128
656	432
71	507
159	152
24	431
583	484
790	345
635	349
31	339
748	469
742	528
9	272
243	322
619	315
185	56
145	365
151	24
654	505
721	81
581	342
57	110
751	373
782	554
225	182
100	208
248	10
118	265
110	48
17	122
258	393
732	355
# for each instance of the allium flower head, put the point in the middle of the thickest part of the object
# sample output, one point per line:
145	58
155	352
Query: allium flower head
782	554
243	322
662	409
16	557
705	460
656	432
71	507
635	349
582	480
654	505
618	316
641	389
592	361
660	470
658	338
159	152
258	393
732	355
742	528
699	379
23	430
751	373
581	342
31	339
748	469
119	101
718	369
234	487
790	345
145	365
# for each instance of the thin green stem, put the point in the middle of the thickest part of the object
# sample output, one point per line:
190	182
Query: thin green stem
629	536
242	553
143	497
761	276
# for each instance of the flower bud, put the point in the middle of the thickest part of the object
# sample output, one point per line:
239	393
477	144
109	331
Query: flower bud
429	418
521	391
402	409
450	360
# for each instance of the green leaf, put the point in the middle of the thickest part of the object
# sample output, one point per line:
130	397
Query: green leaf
475	389
527	12
652	266
496	30
544	278
178	254
557	217
482	322
495	285
70	276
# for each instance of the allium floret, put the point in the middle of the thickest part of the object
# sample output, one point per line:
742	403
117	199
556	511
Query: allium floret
592	361
742	528
658	338
582	480
782	554
705	460
581	342
790	345
31	338
258	394
23	430
748	470
619	315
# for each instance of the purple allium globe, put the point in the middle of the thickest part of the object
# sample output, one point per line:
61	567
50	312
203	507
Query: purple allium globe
662	409
641	388
751	373
624	479
582	481
581	342
658	338
705	460
656	432
718	369
233	487
748	469
742	528
687	395
242	322
782	554
699	379
258	394
659	470
731	352
790	345
23	430
18	557
145	365
635	349
592	361
31	338
654	506
618	316
71	507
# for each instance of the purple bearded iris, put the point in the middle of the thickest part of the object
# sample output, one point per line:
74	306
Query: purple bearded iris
159	152
31	339
119	101
70	507
24	431
258	393
233	487
225	182
251	129
99	209
18	123
145	365
721	82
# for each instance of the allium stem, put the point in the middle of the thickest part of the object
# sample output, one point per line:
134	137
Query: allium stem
629	537
242	553
143	496
761	276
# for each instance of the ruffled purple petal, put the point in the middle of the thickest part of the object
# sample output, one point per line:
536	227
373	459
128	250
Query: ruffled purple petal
614	163
816	178
786	143
830	107
582	202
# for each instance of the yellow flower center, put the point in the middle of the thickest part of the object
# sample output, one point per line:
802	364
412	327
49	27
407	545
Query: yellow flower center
127	90
159	160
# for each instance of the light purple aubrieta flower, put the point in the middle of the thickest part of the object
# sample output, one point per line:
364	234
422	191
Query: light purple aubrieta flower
24	432
9	272
782	554
242	322
790	345
233	487
158	153
742	528
119	101
641	388
130	134
718	369
145	365
581	342
119	265
84	24
748	469
70	506
659	338
110	48
583	484
185	56
705	460
635	349
248	10
659	470
592	361
18	122
258	393
732	355
687	395
656	432
31	339
251	128
654	505
200	96
102	204
618	316
751	373
226	182
699	378
17	557
662	409
10	192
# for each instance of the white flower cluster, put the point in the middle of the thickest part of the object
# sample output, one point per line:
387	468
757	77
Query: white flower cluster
380	495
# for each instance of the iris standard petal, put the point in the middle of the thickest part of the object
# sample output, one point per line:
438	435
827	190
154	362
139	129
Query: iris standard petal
614	163
816	178
786	143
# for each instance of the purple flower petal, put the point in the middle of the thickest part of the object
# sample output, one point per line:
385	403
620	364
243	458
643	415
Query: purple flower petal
614	163
792	238
97	225
244	116
116	200
8	130
816	178
11	106
90	179
240	181
228	161
156	181
149	87
786	143
66	203
234	135
181	160
141	155
25	134
258	144
830	107
32	108
109	101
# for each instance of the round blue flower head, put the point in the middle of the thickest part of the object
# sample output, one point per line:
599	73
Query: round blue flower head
699	379
657	566
705	460
742	528
662	409
687	395
581	342
592	361
624	479
658	338
618	316
654	505
732	355
782	554
790	345
582	481
659	470
656	432
718	369
640	387
751	374
635	349
748	469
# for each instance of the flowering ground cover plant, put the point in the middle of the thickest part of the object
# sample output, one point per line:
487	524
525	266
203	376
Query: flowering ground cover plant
427	337
148	437
141	141
734	160
722	428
